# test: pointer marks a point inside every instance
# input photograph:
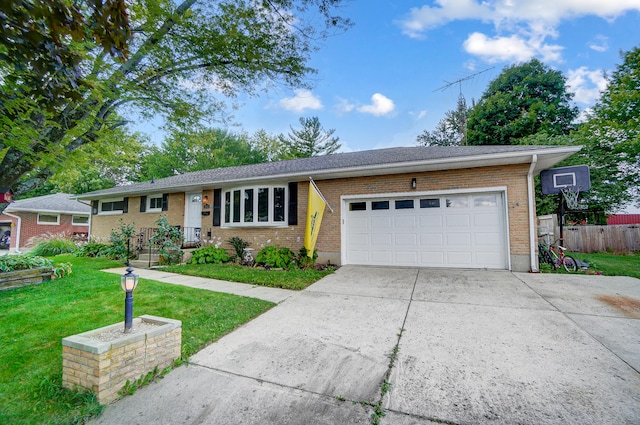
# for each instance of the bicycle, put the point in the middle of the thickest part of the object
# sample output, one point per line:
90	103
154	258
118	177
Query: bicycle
554	255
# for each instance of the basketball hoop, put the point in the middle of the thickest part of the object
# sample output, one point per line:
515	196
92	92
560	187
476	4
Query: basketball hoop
571	194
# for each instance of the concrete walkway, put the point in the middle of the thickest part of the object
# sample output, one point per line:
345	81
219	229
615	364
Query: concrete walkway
275	295
417	346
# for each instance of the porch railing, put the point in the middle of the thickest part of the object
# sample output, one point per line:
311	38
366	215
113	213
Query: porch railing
191	238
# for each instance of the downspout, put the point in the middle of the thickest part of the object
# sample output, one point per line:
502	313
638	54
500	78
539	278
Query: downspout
532	225
19	226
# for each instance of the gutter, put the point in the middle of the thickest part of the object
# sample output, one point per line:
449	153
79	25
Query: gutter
532	226
19	226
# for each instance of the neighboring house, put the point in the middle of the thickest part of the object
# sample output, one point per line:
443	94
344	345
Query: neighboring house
467	207
623	219
57	213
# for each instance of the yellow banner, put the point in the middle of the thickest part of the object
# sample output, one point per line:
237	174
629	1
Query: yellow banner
315	210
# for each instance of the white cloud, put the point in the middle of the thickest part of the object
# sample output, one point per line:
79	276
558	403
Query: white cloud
519	24
380	105
512	48
507	12
586	84
344	106
302	101
600	43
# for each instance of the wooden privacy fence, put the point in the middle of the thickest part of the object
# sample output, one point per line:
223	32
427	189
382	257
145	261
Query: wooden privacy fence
618	238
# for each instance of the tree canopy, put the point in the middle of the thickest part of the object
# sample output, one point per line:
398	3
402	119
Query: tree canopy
184	151
523	100
184	60
451	130
310	140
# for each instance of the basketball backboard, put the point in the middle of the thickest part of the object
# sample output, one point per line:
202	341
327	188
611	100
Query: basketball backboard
555	179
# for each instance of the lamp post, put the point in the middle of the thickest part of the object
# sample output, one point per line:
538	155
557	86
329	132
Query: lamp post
128	281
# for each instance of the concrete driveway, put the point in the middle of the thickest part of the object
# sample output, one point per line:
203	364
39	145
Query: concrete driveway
417	346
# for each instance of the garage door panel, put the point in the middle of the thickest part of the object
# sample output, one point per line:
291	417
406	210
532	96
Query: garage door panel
381	222
463	239
458	220
431	220
486	219
491	259
384	239
382	257
462	258
406	258
432	258
488	239
409	239
360	239
404	222
431	239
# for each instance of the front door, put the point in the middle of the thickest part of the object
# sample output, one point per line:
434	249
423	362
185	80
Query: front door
192	219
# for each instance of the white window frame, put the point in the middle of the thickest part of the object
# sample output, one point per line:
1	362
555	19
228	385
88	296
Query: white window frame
49	223
116	212
148	206
255	223
73	220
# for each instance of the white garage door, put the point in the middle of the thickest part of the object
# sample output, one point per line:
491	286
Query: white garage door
466	231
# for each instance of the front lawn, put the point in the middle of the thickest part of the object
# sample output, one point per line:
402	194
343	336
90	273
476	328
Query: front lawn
34	319
286	279
612	264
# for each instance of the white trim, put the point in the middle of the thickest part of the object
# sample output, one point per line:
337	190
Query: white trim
19	227
147	207
532	212
271	223
48	223
502	190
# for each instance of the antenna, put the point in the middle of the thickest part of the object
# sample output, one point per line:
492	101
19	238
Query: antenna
449	84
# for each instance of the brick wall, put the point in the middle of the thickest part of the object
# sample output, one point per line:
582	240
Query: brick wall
329	240
105	367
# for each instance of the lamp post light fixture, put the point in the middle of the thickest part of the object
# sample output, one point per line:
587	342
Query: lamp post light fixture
128	281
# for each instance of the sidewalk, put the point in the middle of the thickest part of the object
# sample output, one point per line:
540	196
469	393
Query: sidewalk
275	295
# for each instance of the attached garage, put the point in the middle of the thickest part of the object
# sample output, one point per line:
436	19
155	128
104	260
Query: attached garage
466	230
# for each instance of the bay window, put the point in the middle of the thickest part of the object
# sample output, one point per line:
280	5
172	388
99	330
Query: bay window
255	206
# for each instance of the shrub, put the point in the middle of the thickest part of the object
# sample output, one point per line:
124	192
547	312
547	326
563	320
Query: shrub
304	261
238	245
169	240
93	249
119	239
275	257
53	247
9	263
209	255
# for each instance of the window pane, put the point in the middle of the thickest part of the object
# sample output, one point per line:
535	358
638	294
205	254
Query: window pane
263	204
80	219
357	206
458	202
485	201
47	218
236	206
278	204
404	204
248	206
430	203
380	205
227	207
155	203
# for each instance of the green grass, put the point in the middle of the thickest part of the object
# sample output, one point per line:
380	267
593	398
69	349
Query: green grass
286	279
34	319
612	264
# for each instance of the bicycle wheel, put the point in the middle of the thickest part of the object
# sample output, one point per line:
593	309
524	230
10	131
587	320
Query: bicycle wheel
569	263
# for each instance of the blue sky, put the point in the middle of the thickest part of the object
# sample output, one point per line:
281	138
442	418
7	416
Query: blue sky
377	84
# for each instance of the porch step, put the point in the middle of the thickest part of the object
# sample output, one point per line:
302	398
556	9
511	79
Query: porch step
154	256
143	264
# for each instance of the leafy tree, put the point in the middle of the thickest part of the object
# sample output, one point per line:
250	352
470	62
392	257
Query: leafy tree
198	150
611	137
523	100
183	57
269	145
310	140
451	130
42	44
